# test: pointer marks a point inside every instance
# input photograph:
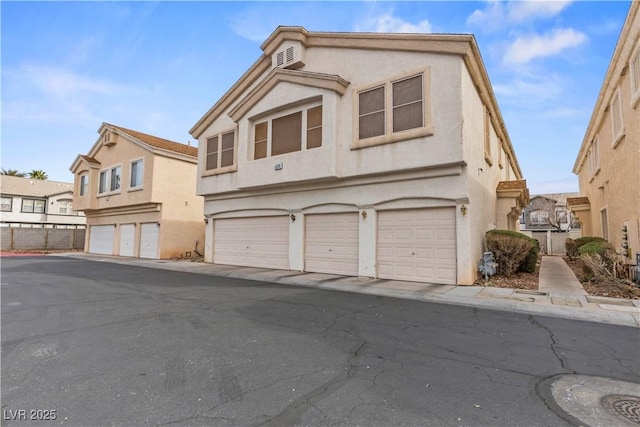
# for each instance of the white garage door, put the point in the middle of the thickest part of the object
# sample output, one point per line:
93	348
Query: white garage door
127	239
331	243
149	240
252	242
417	245
101	239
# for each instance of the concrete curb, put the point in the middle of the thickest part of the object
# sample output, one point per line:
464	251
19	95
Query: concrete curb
550	303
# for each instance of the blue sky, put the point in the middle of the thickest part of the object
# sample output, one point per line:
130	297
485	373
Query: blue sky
157	67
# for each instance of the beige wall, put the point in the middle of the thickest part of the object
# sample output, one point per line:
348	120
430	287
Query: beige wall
615	185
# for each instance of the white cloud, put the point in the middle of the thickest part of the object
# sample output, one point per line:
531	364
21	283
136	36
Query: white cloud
539	90
497	14
389	23
525	49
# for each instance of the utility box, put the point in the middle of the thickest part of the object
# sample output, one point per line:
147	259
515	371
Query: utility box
488	266
636	275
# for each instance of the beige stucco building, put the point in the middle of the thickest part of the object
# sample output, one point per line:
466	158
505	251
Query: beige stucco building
137	192
608	163
375	155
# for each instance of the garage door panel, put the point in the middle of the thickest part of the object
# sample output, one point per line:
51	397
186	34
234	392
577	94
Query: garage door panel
331	243
101	239
149	234
253	242
417	245
127	239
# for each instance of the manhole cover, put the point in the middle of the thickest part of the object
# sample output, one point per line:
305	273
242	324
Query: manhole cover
627	407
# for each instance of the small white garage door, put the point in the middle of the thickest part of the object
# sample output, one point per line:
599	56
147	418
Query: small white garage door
331	243
127	239
149	240
417	245
101	239
252	242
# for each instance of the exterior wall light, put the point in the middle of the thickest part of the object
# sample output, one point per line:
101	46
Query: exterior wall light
364	214
463	210
293	218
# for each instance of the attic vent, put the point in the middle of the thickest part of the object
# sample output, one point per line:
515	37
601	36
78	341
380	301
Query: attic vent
109	139
280	59
289	57
289	54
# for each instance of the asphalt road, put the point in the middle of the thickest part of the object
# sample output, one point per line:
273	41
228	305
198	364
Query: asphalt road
91	343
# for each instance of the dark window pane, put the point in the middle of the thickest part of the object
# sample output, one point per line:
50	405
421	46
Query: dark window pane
371	101
314	138
227	158
407	117
212	153
227	141
260	150
314	117
260	139
286	134
407	91
371	125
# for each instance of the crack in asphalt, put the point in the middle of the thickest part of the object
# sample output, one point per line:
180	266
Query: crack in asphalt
554	345
294	411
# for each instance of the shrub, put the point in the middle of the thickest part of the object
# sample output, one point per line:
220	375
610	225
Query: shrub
603	265
580	241
595	247
510	249
529	263
571	247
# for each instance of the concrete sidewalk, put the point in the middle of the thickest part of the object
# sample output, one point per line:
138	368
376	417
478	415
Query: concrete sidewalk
561	294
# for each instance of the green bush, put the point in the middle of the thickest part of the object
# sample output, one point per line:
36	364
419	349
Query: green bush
571	247
511	250
581	241
595	247
529	263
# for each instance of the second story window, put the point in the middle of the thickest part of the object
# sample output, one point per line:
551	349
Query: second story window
6	204
293	132
617	124
102	186
635	77
64	207
109	180
116	174
33	205
136	174
220	153
84	184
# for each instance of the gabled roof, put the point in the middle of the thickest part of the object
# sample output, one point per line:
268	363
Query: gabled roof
157	142
577	201
463	45
16	186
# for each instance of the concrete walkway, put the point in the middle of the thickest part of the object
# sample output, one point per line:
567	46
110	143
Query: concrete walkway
559	300
556	278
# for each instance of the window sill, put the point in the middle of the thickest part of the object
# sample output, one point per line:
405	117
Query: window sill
391	138
618	139
109	194
130	190
219	171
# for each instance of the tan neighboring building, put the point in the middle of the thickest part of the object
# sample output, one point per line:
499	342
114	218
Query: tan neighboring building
608	163
359	154
137	192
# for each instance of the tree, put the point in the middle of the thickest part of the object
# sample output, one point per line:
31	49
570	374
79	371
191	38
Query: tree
38	174
545	211
12	172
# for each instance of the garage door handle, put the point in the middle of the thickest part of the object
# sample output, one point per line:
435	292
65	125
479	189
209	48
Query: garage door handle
330	250
413	253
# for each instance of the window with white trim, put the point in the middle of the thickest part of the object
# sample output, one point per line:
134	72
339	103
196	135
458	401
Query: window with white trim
103	184
297	131
617	124
64	207
33	205
136	174
109	180
220	154
116	174
7	204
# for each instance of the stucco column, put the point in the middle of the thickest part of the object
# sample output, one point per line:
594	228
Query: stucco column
296	241
367	242
208	241
467	253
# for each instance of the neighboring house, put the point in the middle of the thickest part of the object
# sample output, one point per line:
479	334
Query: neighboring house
548	212
608	163
137	192
38	203
375	155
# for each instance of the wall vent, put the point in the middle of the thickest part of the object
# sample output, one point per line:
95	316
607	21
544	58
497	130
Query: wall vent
280	59
109	139
289	57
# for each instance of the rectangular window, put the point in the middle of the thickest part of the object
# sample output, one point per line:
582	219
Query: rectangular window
212	153
137	173
605	225
371	113
64	206
226	156
102	187
115	178
616	118
407	104
635	75
7	204
314	127
260	141
84	184
33	205
286	134
487	137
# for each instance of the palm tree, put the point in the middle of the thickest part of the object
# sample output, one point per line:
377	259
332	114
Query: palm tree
38	174
12	172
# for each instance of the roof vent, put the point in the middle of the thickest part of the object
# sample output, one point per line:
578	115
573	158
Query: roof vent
109	139
289	57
